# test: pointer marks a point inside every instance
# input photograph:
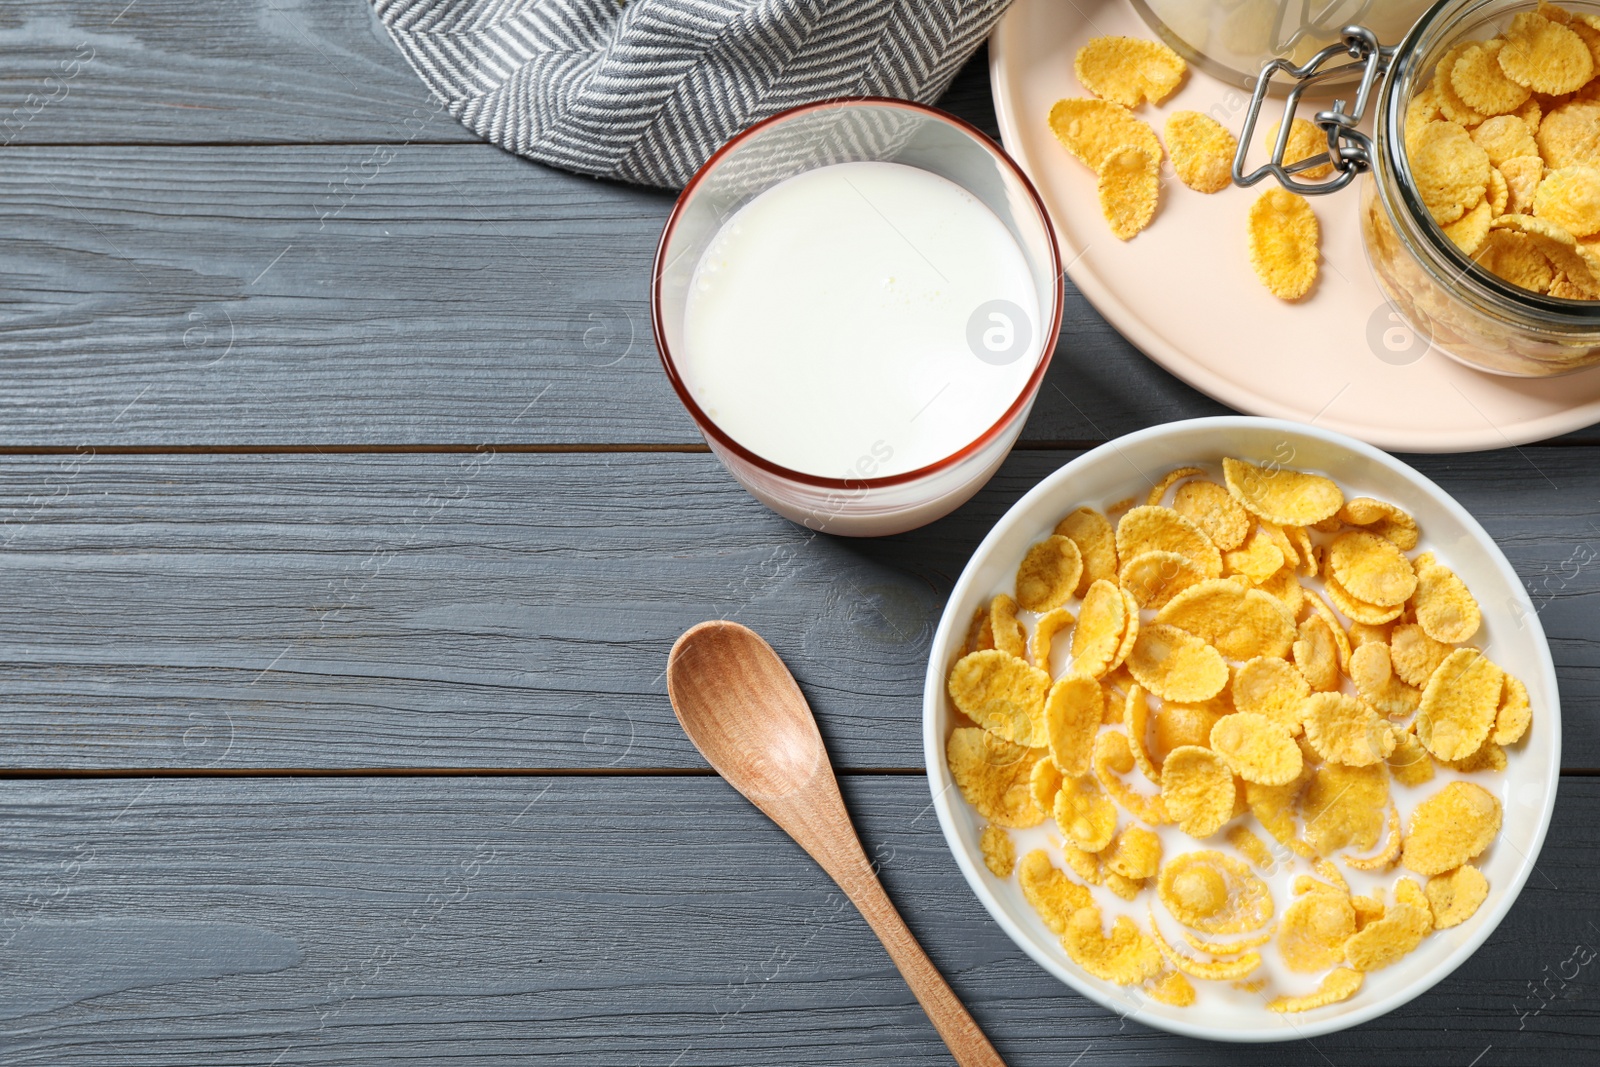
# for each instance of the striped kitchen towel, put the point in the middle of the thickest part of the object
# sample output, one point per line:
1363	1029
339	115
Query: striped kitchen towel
645	91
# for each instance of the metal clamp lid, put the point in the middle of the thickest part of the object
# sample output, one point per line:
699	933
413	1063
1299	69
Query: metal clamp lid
1349	150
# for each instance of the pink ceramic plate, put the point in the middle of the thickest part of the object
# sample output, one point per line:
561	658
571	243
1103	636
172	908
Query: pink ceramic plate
1184	291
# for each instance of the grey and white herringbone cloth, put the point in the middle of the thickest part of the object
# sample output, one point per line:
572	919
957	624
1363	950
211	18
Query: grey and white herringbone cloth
646	91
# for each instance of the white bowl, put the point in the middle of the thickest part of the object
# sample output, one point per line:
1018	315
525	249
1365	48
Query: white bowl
1511	635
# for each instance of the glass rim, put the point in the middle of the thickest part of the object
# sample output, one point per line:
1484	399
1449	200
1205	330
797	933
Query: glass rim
1049	337
1560	312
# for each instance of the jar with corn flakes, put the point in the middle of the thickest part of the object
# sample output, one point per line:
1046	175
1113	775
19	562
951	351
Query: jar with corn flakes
1480	180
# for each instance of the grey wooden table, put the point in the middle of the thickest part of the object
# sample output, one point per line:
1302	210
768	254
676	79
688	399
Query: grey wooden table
346	520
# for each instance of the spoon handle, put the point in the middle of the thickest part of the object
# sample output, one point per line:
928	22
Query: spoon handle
960	1031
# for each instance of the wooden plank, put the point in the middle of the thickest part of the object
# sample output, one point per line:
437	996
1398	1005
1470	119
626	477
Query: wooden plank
241	72
515	610
236	71
230	296
605	921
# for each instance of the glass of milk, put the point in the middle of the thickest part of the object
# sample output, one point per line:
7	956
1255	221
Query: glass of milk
856	302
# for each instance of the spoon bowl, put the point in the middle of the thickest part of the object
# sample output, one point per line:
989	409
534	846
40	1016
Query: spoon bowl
742	709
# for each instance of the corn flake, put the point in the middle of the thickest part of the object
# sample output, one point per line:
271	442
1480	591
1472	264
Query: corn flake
1316	654
1273	806
1072	714
1158	491
1214	893
1478	80
1005	629
1371	568
1306	141
1048	576
1136	853
1499	192
1251	847
1129	70
1545	56
1176	665
1450	828
1515	257
1051	893
1356	609
1385	856
1212	508
1136	719
1129	189
1178	724
1216	971
1113	758
1339	984
1579	263
1505	138
1414	655
1373	675
1570	135
1158	529
1085	865
1471	230
1384	941
1343	807
1258	559
1282	496
994	776
1362	633
1314	928
1197	790
1456	895
1448	101
1001	693
1172	988
1092	129
1045	630
1153	578
1257	748
1202	151
1125	957
1459	704
1450	170
1273	688
1409	763
1514	715
1103	621
1570	198
1085	815
1488	757
980	634
999	854
1285	243
1097	545
1344	730
1240	623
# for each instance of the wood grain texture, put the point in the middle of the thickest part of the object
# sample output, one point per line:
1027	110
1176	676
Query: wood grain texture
622	921
415	294
234	71
515	610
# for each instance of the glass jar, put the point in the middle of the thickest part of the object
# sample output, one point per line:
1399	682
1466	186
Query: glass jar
1233	39
1467	312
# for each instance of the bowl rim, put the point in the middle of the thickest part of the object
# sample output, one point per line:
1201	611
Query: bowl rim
1025	396
945	797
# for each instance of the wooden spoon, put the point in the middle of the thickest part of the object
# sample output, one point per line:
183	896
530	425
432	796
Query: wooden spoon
742	709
